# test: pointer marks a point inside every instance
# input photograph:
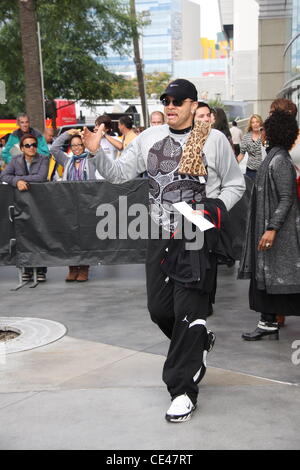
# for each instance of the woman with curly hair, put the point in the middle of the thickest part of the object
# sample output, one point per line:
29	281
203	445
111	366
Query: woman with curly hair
271	255
251	144
289	107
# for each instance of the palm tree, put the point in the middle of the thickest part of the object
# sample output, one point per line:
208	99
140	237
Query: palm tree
31	59
139	64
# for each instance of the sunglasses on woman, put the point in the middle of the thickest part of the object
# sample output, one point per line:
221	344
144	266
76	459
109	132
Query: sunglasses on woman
175	102
27	146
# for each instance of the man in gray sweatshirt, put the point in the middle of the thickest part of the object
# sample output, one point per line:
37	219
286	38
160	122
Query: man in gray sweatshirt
178	310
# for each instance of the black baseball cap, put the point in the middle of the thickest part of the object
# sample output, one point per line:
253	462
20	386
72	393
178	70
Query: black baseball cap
181	89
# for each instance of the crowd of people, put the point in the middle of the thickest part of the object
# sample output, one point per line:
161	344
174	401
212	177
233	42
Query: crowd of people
189	154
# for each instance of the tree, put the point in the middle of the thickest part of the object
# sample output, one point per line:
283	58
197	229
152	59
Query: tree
74	35
125	88
31	60
216	103
139	64
156	83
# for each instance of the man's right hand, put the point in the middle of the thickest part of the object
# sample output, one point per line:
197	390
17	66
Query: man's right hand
92	139
22	185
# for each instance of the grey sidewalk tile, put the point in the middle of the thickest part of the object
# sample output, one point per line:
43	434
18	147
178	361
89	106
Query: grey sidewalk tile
101	387
133	418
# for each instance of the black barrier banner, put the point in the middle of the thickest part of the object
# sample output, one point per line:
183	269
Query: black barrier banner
77	223
7	229
90	222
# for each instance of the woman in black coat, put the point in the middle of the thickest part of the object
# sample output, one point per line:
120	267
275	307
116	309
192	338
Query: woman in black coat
271	256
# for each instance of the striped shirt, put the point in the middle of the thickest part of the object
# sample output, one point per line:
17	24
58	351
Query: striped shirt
254	150
295	155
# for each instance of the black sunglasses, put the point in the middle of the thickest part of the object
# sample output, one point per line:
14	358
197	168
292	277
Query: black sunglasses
27	146
175	102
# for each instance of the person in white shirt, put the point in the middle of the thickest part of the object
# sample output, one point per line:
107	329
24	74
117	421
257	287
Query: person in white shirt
109	144
237	136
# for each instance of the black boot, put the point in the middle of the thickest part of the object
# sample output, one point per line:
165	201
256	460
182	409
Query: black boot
264	328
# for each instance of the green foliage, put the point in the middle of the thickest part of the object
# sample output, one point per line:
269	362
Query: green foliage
156	83
128	88
217	103
73	34
125	88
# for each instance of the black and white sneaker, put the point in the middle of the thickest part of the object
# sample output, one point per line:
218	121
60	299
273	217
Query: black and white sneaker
211	338
180	410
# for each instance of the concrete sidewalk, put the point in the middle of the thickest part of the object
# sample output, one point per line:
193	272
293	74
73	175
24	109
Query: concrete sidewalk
100	387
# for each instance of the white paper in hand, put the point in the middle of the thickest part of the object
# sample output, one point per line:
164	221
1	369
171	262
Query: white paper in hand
194	216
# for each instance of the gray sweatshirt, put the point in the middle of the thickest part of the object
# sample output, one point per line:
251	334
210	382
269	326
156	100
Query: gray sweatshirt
158	151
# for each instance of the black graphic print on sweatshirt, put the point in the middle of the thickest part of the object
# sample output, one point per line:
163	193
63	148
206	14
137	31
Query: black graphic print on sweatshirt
166	185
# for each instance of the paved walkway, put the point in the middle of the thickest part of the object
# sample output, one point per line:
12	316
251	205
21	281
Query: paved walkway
100	387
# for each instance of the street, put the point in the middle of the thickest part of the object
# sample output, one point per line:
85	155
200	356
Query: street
100	387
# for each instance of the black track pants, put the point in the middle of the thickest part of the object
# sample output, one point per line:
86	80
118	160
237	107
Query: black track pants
181	314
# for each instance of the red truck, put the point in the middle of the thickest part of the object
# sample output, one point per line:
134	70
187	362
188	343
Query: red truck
66	114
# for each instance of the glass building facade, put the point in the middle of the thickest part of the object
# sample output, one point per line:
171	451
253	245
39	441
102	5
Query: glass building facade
291	88
157	36
159	39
